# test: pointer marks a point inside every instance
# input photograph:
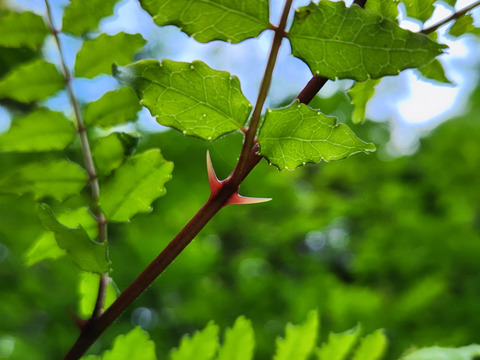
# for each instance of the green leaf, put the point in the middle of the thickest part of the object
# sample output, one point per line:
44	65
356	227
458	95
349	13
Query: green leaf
24	29
98	55
86	253
207	20
339	42
135	185
434	353
372	347
192	98
88	292
339	346
201	346
295	135
55	178
136	345
360	93
113	108
109	152
299	340
239	341
434	71
82	16
386	8
419	9
41	130
464	25
33	81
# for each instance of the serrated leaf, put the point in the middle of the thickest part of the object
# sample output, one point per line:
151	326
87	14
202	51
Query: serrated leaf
339	42
299	340
372	347
88	292
192	98
135	185
110	151
339	346
464	25
207	20
239	341
296	135
98	55
136	345
33	81
86	253
434	70
113	108
41	130
24	29
82	16
386	8
360	93
201	346
434	353
57	179
419	9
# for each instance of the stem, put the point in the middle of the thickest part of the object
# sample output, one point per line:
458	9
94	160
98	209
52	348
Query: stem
454	16
87	159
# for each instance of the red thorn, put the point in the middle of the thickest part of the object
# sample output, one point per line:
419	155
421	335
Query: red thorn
213	181
237	199
78	320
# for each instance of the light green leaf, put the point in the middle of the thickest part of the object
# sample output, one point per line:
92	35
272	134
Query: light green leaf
339	346
360	93
109	152
207	20
86	253
113	108
299	340
55	178
464	25
135	185
98	55
419	9
192	98
22	29
386	8
33	81
372	347
239	341
88	292
41	130
339	42
435	353
451	2
296	135
201	346
434	71
82	16
136	345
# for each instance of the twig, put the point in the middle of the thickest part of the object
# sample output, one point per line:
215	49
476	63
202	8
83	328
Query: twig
454	16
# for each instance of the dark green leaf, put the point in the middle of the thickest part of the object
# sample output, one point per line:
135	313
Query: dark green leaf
239	341
109	152
207	20
372	347
360	93
192	98
98	55
296	135
113	108
135	185
22	29
136	345
32	81
339	346
339	42
434	71
419	9
464	25
88	292
201	346
41	130
471	352
386	8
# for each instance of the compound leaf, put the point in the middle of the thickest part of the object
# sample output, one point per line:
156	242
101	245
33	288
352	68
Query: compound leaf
372	347
135	185
386	8
339	42
201	346
419	9
295	135
434	70
88	292
98	55
22	29
360	93
192	98
434	353
110	151
207	20
41	130
239	341
339	346
134	345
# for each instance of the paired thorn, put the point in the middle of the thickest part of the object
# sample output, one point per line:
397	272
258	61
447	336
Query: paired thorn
216	185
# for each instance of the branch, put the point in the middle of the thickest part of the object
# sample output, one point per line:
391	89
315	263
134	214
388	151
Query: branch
455	15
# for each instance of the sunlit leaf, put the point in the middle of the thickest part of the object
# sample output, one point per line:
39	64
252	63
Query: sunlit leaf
22	29
434	70
134	345
135	185
239	341
41	130
339	42
360	93
339	346
296	135
299	340
201	346
207	20
110	151
113	108
88	292
192	98
55	178
98	55
386	8
435	353
464	25
419	9
36	80
86	253
372	347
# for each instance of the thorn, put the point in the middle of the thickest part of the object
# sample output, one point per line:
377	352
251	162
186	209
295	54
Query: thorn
213	181
237	199
78	320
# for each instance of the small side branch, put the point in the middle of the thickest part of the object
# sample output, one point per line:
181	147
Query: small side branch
454	16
